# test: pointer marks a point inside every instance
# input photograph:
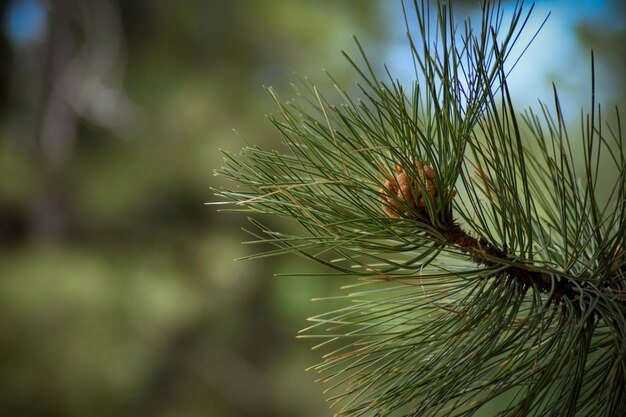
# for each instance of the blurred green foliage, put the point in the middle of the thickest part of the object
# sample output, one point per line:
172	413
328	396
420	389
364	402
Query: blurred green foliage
119	294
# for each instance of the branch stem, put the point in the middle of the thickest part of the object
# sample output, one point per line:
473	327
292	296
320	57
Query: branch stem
484	253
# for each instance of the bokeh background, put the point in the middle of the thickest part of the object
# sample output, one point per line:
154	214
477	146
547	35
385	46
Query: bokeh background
118	290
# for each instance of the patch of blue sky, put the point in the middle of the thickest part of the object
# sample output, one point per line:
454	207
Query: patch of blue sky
25	21
556	55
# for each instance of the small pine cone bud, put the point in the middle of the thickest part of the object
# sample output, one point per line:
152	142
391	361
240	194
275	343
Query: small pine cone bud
403	194
390	204
427	177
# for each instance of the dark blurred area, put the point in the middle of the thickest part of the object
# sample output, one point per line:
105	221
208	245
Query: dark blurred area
118	291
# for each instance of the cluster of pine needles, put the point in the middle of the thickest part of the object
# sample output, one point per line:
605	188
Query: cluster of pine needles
488	244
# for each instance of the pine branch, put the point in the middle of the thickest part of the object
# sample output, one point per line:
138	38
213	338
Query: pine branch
529	316
482	252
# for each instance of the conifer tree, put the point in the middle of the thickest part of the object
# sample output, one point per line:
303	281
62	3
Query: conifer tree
488	255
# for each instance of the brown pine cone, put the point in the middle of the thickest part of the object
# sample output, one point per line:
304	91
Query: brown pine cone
403	194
